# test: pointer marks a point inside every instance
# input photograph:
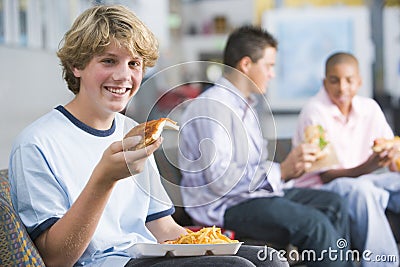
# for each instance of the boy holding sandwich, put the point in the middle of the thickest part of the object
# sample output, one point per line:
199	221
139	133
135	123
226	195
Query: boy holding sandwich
227	178
352	123
83	194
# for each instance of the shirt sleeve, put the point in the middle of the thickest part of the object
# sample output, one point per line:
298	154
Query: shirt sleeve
36	193
381	123
274	177
160	203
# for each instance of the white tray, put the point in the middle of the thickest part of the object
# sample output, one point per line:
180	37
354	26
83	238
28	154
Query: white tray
142	250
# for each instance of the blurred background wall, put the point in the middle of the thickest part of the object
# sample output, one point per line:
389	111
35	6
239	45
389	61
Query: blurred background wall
193	30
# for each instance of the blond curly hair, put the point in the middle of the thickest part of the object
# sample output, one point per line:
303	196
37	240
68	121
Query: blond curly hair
95	29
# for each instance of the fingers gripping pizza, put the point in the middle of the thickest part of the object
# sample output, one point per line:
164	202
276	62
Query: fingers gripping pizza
151	131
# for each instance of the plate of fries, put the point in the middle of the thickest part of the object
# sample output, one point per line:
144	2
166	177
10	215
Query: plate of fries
207	241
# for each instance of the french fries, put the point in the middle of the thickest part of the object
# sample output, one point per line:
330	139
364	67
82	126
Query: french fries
207	235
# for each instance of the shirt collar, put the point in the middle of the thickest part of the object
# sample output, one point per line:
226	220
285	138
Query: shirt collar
356	109
242	100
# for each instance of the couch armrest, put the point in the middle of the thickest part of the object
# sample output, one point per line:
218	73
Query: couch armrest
16	247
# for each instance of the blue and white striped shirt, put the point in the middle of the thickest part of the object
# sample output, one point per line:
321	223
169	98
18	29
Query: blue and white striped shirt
223	155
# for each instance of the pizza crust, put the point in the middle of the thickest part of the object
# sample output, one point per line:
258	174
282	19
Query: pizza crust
150	131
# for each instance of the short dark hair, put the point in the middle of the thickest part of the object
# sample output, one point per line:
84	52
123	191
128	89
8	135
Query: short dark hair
340	57
248	41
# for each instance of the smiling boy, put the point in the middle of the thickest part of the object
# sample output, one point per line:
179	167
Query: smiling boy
226	175
83	197
352	123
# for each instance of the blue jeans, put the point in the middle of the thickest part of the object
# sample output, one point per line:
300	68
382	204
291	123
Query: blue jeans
311	220
368	197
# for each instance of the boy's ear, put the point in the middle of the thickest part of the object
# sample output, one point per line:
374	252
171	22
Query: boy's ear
76	72
360	81
244	64
324	82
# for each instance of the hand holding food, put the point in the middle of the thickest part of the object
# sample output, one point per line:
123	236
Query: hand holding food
151	131
298	161
386	144
381	144
326	157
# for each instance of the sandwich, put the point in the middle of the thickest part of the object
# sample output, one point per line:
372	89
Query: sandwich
381	144
384	144
151	131
397	163
316	134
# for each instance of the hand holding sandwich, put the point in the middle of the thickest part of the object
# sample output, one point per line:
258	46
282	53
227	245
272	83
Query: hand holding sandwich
298	161
384	155
389	151
394	158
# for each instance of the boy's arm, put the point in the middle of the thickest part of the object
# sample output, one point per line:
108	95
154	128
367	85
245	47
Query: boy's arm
66	240
375	161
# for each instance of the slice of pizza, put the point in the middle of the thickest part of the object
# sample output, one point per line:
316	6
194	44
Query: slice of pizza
151	131
316	134
381	144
